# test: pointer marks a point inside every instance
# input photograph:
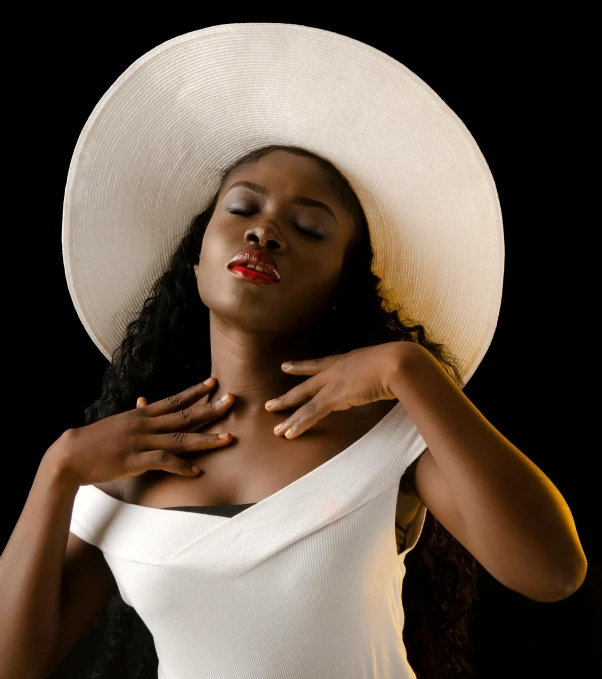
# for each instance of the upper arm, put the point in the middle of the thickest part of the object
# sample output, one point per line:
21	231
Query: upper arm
86	586
430	486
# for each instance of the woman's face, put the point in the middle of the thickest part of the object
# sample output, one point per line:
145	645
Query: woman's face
272	216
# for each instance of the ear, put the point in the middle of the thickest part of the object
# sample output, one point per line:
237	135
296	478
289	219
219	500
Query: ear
196	269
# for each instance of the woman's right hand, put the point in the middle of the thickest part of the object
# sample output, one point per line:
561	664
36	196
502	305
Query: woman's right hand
149	437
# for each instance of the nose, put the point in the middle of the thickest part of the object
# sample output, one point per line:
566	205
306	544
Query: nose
266	233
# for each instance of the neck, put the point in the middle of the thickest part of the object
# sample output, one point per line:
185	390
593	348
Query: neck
248	365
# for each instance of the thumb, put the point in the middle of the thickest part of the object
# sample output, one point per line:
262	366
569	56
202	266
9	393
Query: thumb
141	402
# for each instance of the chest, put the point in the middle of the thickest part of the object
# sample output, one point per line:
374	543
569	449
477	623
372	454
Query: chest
258	464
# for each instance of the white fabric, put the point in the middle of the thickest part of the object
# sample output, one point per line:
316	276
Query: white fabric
304	584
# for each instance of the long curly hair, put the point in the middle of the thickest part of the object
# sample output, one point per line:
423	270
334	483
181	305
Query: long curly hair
167	348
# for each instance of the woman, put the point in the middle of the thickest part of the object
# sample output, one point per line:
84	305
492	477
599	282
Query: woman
369	377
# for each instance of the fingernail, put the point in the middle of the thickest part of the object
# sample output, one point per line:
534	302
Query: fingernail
223	399
287	433
286	365
269	404
208	381
278	427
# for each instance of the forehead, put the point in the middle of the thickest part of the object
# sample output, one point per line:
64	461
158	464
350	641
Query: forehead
282	170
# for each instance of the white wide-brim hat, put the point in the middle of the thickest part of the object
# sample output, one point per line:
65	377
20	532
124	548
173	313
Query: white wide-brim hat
149	158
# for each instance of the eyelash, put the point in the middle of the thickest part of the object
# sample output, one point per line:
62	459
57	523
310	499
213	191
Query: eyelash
310	234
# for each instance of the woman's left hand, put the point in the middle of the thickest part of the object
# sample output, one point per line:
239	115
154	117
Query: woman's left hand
339	382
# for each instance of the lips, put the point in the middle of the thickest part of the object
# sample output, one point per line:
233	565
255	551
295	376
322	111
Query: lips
257	258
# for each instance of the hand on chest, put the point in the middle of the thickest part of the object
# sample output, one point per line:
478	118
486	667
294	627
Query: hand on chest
256	463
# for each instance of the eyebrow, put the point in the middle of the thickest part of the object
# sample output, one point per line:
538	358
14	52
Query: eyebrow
297	200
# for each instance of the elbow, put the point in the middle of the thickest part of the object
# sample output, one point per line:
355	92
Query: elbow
552	596
545	587
577	577
565	585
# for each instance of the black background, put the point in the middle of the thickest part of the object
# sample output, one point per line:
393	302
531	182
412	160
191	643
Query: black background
522	87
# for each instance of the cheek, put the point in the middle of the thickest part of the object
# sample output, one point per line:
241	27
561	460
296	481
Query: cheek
210	259
316	279
311	290
214	252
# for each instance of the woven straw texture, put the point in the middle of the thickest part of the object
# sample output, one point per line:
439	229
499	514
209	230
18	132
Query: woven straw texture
149	156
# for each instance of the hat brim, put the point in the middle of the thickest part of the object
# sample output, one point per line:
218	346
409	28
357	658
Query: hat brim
149	157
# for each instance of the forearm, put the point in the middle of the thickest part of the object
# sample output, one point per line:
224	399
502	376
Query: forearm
521	523
31	569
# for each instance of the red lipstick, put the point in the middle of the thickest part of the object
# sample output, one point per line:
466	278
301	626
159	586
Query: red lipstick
251	275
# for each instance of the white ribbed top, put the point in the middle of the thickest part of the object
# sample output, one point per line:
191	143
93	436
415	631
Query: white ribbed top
305	583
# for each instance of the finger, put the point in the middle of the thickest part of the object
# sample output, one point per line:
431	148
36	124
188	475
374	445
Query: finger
180	442
162	460
310	366
297	395
141	402
192	416
182	399
303	419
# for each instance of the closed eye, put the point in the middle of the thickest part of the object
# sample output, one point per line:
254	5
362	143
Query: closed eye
248	213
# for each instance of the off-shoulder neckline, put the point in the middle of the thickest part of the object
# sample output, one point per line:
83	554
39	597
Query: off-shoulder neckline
149	511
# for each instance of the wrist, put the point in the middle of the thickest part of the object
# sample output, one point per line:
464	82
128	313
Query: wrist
55	464
406	355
